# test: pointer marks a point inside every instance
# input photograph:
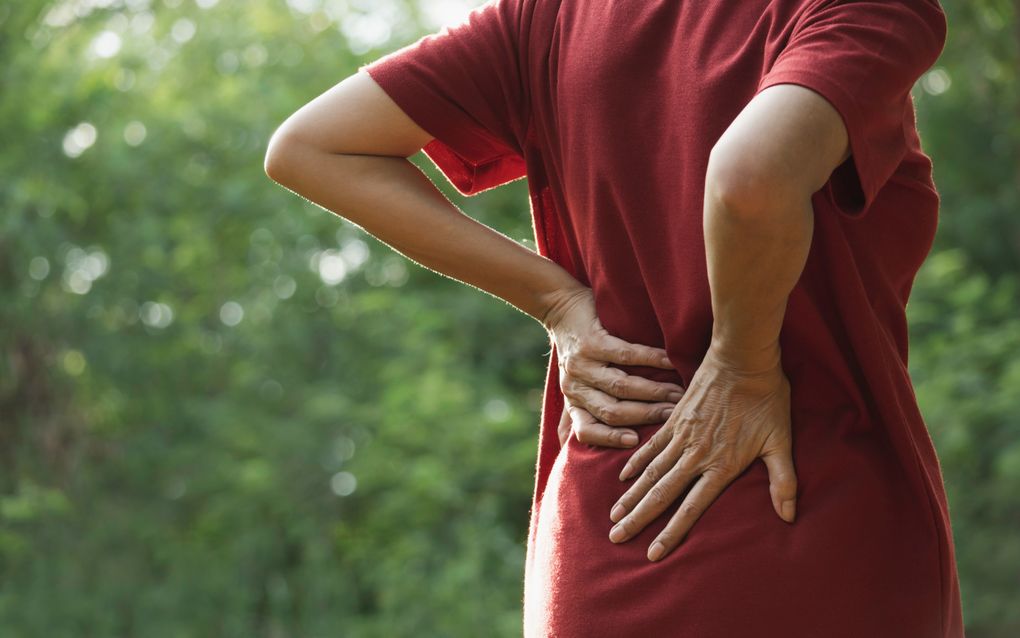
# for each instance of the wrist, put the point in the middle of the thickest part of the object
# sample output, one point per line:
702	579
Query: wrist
746	359
556	303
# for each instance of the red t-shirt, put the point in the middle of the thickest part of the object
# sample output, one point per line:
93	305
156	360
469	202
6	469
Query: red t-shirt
610	110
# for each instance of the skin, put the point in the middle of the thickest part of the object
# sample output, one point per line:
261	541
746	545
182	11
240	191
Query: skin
758	223
347	151
593	410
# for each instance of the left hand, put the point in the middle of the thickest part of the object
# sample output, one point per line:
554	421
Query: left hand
729	416
599	400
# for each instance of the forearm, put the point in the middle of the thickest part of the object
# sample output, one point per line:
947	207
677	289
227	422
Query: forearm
754	259
395	202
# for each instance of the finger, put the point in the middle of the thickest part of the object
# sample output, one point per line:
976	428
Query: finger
614	349
564	428
617	383
651	500
662	482
588	430
782	480
589	371
644	455
613	411
703	494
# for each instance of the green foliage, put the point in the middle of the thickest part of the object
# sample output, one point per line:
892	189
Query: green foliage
200	435
971	127
966	331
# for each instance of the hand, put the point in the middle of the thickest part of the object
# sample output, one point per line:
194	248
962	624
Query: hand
728	417
599	398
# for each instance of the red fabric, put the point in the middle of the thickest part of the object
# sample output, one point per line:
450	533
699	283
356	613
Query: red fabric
610	109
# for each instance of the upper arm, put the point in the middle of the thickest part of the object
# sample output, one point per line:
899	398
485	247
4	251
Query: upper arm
459	94
863	58
355	116
784	144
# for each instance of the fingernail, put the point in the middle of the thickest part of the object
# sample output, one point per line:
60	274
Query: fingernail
656	550
625	474
616	534
629	438
666	413
618	511
675	396
788	511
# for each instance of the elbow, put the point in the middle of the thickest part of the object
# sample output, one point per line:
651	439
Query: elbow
745	188
280	154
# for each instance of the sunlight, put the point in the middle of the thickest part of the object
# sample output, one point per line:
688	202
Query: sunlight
439	13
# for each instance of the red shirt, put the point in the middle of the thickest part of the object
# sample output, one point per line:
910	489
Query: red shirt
610	110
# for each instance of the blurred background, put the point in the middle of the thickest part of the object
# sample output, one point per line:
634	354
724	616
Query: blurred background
225	411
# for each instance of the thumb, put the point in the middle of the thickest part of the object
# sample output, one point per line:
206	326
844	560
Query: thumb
782	481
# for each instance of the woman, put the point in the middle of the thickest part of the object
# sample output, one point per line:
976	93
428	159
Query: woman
730	203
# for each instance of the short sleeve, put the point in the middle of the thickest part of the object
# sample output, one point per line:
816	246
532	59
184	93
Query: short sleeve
464	85
864	57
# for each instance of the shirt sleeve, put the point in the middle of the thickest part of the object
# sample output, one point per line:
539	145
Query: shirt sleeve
864	57
464	86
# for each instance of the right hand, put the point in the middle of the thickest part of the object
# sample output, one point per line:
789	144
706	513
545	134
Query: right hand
598	398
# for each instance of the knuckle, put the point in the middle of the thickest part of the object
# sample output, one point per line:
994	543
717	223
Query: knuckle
688	510
637	459
695	452
716	476
570	390
610	350
617	386
607	413
666	434
571	365
657	495
786	473
785	485
652	473
690	414
725	467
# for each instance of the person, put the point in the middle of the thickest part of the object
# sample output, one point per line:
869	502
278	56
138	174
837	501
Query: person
730	202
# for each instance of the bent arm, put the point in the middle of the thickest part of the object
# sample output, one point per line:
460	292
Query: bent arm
347	151
758	217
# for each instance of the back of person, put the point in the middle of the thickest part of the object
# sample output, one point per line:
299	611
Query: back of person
611	109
